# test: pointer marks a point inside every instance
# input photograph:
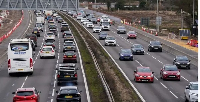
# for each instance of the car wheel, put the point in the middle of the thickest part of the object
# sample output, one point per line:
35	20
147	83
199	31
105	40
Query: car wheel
188	67
40	57
58	83
160	76
127	37
186	100
31	73
161	50
131	59
39	35
120	59
33	49
10	74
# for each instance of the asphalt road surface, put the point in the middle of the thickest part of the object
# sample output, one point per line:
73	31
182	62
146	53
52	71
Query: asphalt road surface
169	91
44	76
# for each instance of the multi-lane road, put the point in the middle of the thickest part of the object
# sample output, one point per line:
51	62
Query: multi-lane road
169	91
44	76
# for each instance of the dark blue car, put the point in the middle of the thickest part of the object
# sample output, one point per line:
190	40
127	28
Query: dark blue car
125	54
102	35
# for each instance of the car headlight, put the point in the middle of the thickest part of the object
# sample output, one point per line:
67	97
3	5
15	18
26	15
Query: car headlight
151	46
136	75
164	72
178	73
177	63
188	63
142	50
131	55
122	55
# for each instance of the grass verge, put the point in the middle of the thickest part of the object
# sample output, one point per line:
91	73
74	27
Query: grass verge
121	89
96	89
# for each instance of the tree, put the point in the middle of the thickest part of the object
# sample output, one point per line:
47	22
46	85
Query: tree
142	4
119	4
108	4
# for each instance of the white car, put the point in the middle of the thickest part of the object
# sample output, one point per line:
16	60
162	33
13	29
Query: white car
96	29
85	22
49	36
79	17
191	92
55	14
47	51
83	19
105	25
90	25
110	40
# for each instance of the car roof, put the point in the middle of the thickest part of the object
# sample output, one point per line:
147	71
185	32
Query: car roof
26	89
196	82
70	52
68	87
180	56
69	41
47	47
110	36
136	44
142	67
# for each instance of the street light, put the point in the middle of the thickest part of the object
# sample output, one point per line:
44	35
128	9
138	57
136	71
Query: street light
157	17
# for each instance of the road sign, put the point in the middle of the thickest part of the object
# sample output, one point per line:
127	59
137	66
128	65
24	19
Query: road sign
158	20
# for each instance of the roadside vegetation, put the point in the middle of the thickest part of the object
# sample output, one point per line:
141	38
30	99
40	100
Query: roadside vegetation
121	89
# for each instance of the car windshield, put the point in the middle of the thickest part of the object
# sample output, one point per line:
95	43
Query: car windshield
144	70
89	23
24	93
194	87
171	68
126	51
121	27
50	34
138	46
93	19
68	91
155	43
48	43
97	27
182	58
68	43
110	38
64	25
46	49
60	19
38	25
35	29
132	32
52	25
105	23
19	46
69	53
103	33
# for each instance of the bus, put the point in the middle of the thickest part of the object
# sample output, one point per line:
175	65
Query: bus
20	56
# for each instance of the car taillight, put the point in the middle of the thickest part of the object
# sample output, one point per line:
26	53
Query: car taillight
31	62
9	65
53	45
58	76
65	56
41	51
74	56
75	75
33	97
52	50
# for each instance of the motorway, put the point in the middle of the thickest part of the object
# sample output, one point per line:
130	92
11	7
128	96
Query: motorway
169	91
44	76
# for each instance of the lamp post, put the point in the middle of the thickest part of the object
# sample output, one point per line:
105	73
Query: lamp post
157	17
193	12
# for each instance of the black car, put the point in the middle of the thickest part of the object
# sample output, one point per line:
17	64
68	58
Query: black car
32	37
102	35
94	20
67	34
67	74
68	94
36	32
137	49
182	62
155	46
60	20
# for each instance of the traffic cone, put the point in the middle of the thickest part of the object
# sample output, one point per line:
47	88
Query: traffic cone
156	34
151	32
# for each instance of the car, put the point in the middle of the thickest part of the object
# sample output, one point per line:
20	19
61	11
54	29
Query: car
98	19
47	51
53	28
131	34
68	93
96	29
55	14
94	20
50	44
182	62
33	45
51	22
121	29
32	37
74	15
39	26
69	46
64	27
36	32
69	56
63	23
125	54
191	92
79	17
170	71
49	36
26	94
60	20
155	46
90	25
143	74
102	35
57	17
110	40
137	49
84	19
67	74
105	25
85	22
67	34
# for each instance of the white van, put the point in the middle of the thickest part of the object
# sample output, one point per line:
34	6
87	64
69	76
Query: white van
40	20
20	56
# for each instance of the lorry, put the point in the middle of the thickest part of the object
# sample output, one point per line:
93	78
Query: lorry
40	20
48	13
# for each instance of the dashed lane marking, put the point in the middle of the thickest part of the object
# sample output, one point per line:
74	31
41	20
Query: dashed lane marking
163	85
184	78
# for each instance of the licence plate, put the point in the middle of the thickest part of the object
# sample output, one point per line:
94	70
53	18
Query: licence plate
69	56
49	36
171	76
144	80
126	57
69	47
20	69
47	52
68	96
155	48
138	51
183	66
67	76
35	31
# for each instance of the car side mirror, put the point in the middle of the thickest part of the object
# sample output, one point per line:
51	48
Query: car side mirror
110	24
179	70
56	91
135	71
80	91
152	72
189	60
77	68
161	44
13	92
56	69
187	87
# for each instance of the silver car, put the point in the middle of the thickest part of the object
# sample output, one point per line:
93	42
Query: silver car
121	29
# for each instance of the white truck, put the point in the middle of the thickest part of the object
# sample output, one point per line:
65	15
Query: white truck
48	12
40	20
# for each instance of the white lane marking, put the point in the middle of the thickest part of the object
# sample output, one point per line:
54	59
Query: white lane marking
184	78
54	84
55	77
13	84
155	78
51	100
53	92
153	57
57	61
173	94
160	61
163	85
138	62
24	82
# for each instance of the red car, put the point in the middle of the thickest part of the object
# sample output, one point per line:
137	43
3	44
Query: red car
69	56
132	34
143	74
170	71
25	94
98	19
